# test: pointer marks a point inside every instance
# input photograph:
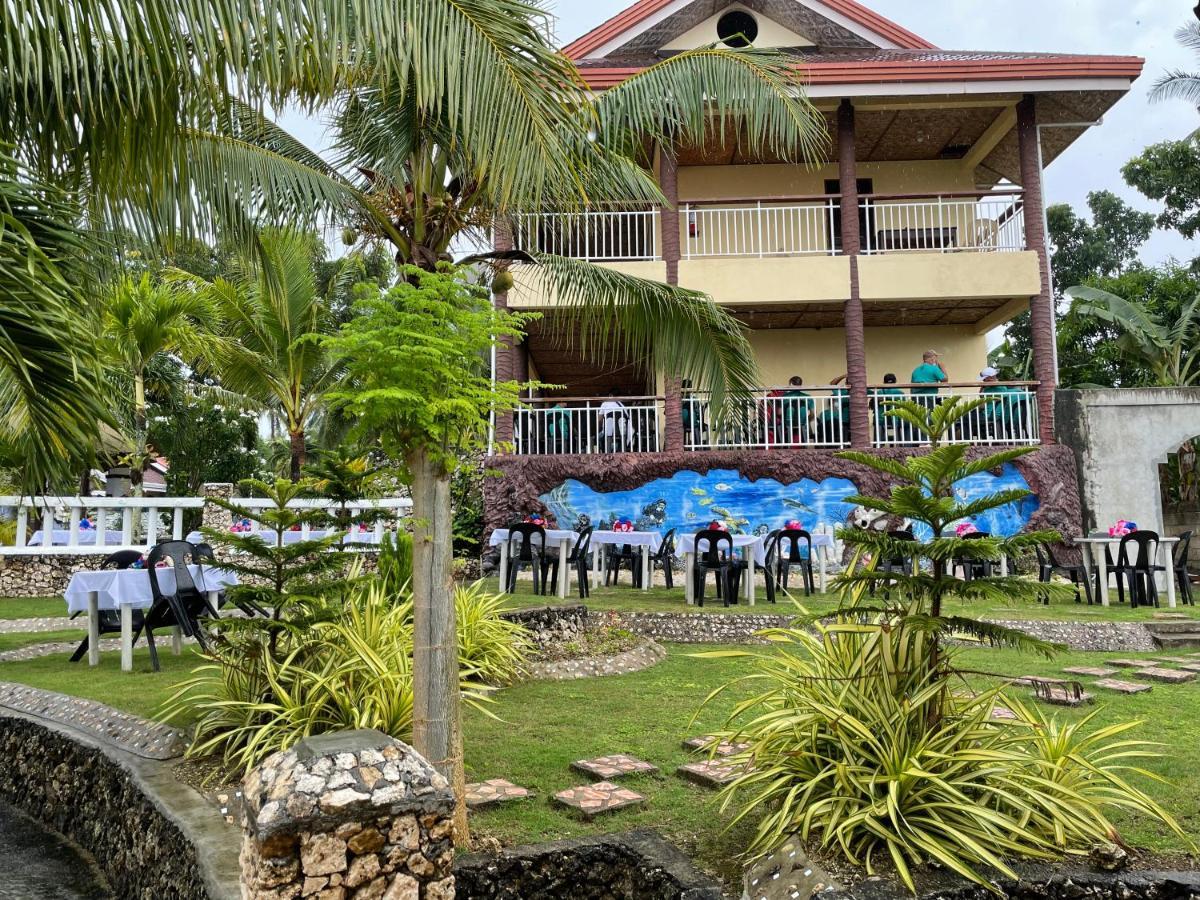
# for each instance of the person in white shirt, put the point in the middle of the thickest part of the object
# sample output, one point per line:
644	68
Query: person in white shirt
614	418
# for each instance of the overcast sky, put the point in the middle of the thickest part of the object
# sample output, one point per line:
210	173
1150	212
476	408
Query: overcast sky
1143	28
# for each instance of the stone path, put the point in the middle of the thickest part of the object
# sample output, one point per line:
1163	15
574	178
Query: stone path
1123	687
704	744
608	767
1167	676
1131	663
48	623
594	799
66	648
482	794
711	773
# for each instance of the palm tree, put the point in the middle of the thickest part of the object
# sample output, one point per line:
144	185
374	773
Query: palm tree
142	321
1178	84
425	168
272	319
1169	349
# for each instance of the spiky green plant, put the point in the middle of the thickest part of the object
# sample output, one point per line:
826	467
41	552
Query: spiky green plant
859	744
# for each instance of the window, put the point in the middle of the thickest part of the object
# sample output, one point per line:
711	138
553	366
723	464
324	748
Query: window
866	187
737	29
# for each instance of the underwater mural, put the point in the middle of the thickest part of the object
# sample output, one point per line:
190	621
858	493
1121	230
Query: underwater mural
688	501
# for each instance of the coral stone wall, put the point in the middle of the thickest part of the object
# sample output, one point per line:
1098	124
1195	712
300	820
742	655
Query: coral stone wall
524	480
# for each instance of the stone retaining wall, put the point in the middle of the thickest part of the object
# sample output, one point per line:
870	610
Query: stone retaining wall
115	807
549	625
630	661
735	628
638	865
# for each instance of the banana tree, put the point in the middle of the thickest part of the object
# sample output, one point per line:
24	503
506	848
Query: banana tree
1170	349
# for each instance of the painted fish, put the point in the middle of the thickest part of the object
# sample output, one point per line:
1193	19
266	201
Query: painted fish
722	512
796	504
707	501
699	492
722	487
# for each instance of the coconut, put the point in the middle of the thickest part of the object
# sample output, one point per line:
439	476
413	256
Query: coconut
503	282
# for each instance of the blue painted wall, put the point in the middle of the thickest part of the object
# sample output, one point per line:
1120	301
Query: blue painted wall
688	501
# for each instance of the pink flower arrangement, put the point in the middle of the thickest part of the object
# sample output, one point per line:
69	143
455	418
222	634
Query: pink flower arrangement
86	524
793	525
241	527
536	519
964	529
1122	528
717	525
624	525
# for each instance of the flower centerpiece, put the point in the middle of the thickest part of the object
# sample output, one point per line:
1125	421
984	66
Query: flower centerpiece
536	519
242	527
717	525
793	525
965	528
1122	528
86	524
624	525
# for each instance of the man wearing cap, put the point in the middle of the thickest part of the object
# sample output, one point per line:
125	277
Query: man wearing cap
930	371
997	412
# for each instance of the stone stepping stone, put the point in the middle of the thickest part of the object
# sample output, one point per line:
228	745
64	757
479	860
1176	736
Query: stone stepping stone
1092	671
1061	694
710	773
1168	676
1177	660
1191	666
1032	680
608	767
482	794
1132	663
1171	616
1003	714
1123	687
704	744
591	800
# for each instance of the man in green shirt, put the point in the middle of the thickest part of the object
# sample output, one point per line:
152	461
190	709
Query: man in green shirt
999	412
929	372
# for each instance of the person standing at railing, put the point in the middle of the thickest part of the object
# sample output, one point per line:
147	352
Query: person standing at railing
614	420
833	427
888	429
930	371
789	412
1003	413
558	429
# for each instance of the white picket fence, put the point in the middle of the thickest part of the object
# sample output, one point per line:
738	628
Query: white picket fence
136	523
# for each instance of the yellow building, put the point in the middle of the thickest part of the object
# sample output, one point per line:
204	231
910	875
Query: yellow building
922	230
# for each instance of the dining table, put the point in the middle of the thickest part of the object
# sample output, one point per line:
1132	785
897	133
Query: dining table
754	551
85	537
125	590
648	543
564	540
1096	560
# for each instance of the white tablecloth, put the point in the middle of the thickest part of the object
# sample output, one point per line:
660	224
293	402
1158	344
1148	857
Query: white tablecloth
90	537
554	537
651	539
294	537
131	587
757	544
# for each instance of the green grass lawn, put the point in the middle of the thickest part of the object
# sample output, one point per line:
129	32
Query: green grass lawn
32	607
661	599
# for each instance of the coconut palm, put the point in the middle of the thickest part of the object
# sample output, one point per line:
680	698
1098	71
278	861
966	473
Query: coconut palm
142	321
1178	84
1170	349
272	317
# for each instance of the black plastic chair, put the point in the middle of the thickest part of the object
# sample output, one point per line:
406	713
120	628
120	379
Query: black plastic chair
184	607
712	559
625	556
663	558
771	558
1050	565
249	607
897	563
529	551
975	568
578	559
1179	569
789	553
110	619
1138	568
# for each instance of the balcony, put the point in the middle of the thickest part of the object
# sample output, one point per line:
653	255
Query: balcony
769	419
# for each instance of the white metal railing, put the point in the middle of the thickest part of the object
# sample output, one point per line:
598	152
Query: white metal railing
782	418
993	222
138	522
598	236
1009	416
759	229
585	426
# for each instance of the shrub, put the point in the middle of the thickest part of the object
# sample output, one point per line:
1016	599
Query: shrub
859	748
349	672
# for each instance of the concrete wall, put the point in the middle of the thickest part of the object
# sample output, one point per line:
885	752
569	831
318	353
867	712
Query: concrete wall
1120	437
793	180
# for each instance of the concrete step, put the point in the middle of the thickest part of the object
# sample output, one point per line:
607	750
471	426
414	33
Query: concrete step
1178	640
1176	626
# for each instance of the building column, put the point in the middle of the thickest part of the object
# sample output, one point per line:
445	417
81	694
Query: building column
856	341
1041	307
506	364
669	222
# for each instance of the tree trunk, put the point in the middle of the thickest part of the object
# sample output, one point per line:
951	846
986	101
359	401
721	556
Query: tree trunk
137	472
437	725
296	441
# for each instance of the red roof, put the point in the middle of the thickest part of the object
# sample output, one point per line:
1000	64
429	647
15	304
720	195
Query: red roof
643	9
892	67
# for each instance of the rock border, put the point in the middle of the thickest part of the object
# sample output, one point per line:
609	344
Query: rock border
638	659
150	835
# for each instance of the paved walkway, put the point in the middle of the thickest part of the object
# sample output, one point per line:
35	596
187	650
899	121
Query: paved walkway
34	626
